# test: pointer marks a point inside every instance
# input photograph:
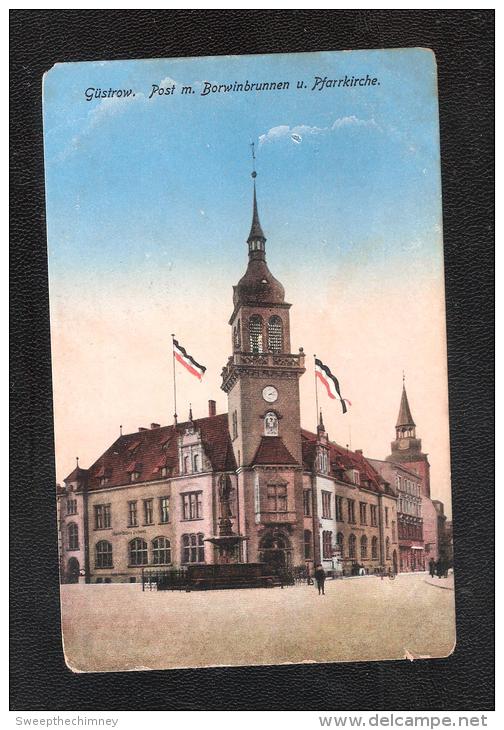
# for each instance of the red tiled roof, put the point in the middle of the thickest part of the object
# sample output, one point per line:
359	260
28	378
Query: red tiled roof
272	450
158	447
76	475
342	458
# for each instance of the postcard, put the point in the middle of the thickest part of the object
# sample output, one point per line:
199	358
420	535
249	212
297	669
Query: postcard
249	360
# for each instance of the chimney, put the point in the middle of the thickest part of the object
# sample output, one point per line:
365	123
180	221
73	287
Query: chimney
358	451
142	428
212	408
155	425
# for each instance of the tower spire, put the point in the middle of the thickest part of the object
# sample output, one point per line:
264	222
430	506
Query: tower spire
256	240
405	422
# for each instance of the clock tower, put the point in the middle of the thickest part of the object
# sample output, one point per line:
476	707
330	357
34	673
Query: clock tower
261	379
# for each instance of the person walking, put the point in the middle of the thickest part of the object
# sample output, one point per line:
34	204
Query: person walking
320	578
432	567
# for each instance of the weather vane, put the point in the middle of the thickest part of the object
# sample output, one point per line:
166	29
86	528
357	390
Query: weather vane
254	173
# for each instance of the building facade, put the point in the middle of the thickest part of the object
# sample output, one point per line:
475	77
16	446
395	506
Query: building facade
408	489
176	495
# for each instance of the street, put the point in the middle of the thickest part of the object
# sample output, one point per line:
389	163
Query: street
118	627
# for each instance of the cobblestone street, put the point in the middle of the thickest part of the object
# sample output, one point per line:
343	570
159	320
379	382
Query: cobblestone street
119	627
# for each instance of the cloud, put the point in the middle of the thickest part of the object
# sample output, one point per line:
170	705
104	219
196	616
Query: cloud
297	133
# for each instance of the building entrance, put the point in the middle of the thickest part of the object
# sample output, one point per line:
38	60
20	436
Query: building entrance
275	550
73	570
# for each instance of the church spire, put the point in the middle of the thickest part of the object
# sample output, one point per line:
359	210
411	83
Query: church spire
256	240
405	423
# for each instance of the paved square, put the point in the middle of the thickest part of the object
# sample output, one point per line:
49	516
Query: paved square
118	627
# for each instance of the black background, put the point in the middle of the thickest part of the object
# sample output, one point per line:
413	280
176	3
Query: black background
464	43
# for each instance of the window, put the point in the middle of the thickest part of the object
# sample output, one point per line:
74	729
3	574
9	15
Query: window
148	506
164	509
340	543
307	499
164	471
323	461
393	532
196	463
191	506
235	425
103	554
386	516
73	536
363	547
351	510
326	505
307	544
138	552
275	334
326	544
236	336
338	502
134	476
193	548
277	497
132	514
255	332
374	515
352	546
387	549
102	516
374	548
71	506
355	476
161	551
186	465
363	513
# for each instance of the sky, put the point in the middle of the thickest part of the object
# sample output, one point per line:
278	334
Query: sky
149	203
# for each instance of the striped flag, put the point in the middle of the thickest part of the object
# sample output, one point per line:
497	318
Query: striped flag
323	373
187	361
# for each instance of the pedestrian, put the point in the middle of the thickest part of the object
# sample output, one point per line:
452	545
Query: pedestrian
432	567
439	568
320	578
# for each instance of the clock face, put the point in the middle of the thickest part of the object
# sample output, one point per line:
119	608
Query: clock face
270	394
403	444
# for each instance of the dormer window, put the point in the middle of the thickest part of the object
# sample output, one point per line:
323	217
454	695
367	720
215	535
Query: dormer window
134	476
164	471
196	463
323	461
186	465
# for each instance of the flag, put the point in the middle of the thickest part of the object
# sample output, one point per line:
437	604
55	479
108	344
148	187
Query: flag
323	373
187	361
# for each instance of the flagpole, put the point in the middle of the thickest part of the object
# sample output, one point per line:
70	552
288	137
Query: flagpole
316	392
174	382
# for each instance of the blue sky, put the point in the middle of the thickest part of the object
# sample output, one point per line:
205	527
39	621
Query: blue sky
149	205
129	176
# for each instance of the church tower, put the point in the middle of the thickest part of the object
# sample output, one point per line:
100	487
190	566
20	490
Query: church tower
261	379
407	448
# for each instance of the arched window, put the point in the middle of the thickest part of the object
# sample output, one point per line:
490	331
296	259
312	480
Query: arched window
237	336
193	548
196	462
374	548
340	543
275	334
363	547
393	531
256	333
138	552
387	549
73	536
103	554
271	424
186	465
161	551
307	544
352	546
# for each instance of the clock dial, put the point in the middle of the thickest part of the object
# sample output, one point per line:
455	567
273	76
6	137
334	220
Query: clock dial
270	394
